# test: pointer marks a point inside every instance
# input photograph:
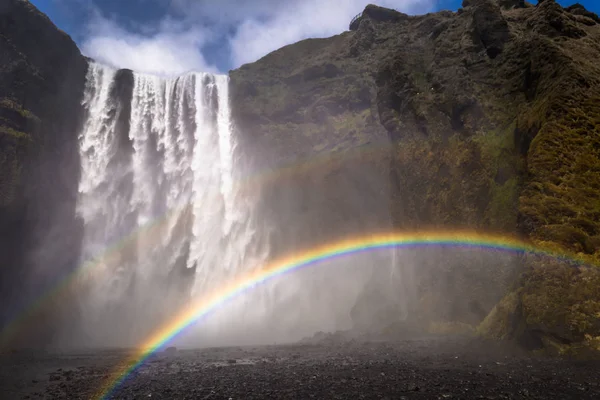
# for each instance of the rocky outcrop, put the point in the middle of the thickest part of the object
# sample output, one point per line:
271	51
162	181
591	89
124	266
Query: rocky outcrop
308	114
578	9
486	119
42	76
490	123
527	149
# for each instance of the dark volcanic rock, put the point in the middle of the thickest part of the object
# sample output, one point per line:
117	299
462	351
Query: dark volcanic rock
383	14
485	119
553	21
308	100
42	75
490	122
425	368
578	9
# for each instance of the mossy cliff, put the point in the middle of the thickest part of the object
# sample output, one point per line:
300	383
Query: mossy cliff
308	115
42	75
487	118
490	119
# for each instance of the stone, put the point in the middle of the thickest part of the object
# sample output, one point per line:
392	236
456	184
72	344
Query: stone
383	14
578	9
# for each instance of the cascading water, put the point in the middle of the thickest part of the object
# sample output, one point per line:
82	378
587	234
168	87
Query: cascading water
168	218
157	199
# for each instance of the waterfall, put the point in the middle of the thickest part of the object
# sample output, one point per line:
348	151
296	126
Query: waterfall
168	218
157	197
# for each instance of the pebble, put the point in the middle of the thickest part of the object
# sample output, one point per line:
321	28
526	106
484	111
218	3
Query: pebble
323	372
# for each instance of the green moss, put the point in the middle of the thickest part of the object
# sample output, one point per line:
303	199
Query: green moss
483	145
560	201
502	163
556	302
461	181
22	136
573	237
10	173
502	210
497	143
592	342
562	300
10	104
10	161
498	323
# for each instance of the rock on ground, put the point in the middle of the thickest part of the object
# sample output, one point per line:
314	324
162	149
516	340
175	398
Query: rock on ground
432	368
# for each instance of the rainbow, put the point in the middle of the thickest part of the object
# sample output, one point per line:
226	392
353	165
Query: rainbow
64	282
61	285
201	308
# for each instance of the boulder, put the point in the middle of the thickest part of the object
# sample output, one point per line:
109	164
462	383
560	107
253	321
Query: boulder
578	9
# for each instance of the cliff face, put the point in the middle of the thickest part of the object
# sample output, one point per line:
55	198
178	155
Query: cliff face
486	118
42	76
400	101
307	114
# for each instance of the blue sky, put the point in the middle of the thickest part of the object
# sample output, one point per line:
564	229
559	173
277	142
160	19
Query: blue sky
173	36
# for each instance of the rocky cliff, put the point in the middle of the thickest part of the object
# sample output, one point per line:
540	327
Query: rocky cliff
484	118
42	75
308	115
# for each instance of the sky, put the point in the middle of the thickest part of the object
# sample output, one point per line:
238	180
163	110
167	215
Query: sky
170	37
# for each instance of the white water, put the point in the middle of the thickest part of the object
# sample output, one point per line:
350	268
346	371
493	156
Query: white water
167	219
161	192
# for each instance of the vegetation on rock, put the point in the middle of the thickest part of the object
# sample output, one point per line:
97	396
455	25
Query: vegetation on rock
493	122
487	118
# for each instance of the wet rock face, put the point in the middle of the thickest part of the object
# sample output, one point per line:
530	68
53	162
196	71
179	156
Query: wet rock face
309	109
472	104
42	75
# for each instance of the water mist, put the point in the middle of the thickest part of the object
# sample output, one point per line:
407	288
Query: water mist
169	217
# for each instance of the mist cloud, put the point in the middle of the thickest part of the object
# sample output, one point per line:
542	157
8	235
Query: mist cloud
244	31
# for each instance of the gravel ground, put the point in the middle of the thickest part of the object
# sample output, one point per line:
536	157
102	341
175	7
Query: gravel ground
427	368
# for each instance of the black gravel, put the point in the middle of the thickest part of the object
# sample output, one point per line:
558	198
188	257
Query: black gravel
429	368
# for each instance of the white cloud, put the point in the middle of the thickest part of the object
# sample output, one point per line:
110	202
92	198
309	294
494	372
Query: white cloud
167	49
247	29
